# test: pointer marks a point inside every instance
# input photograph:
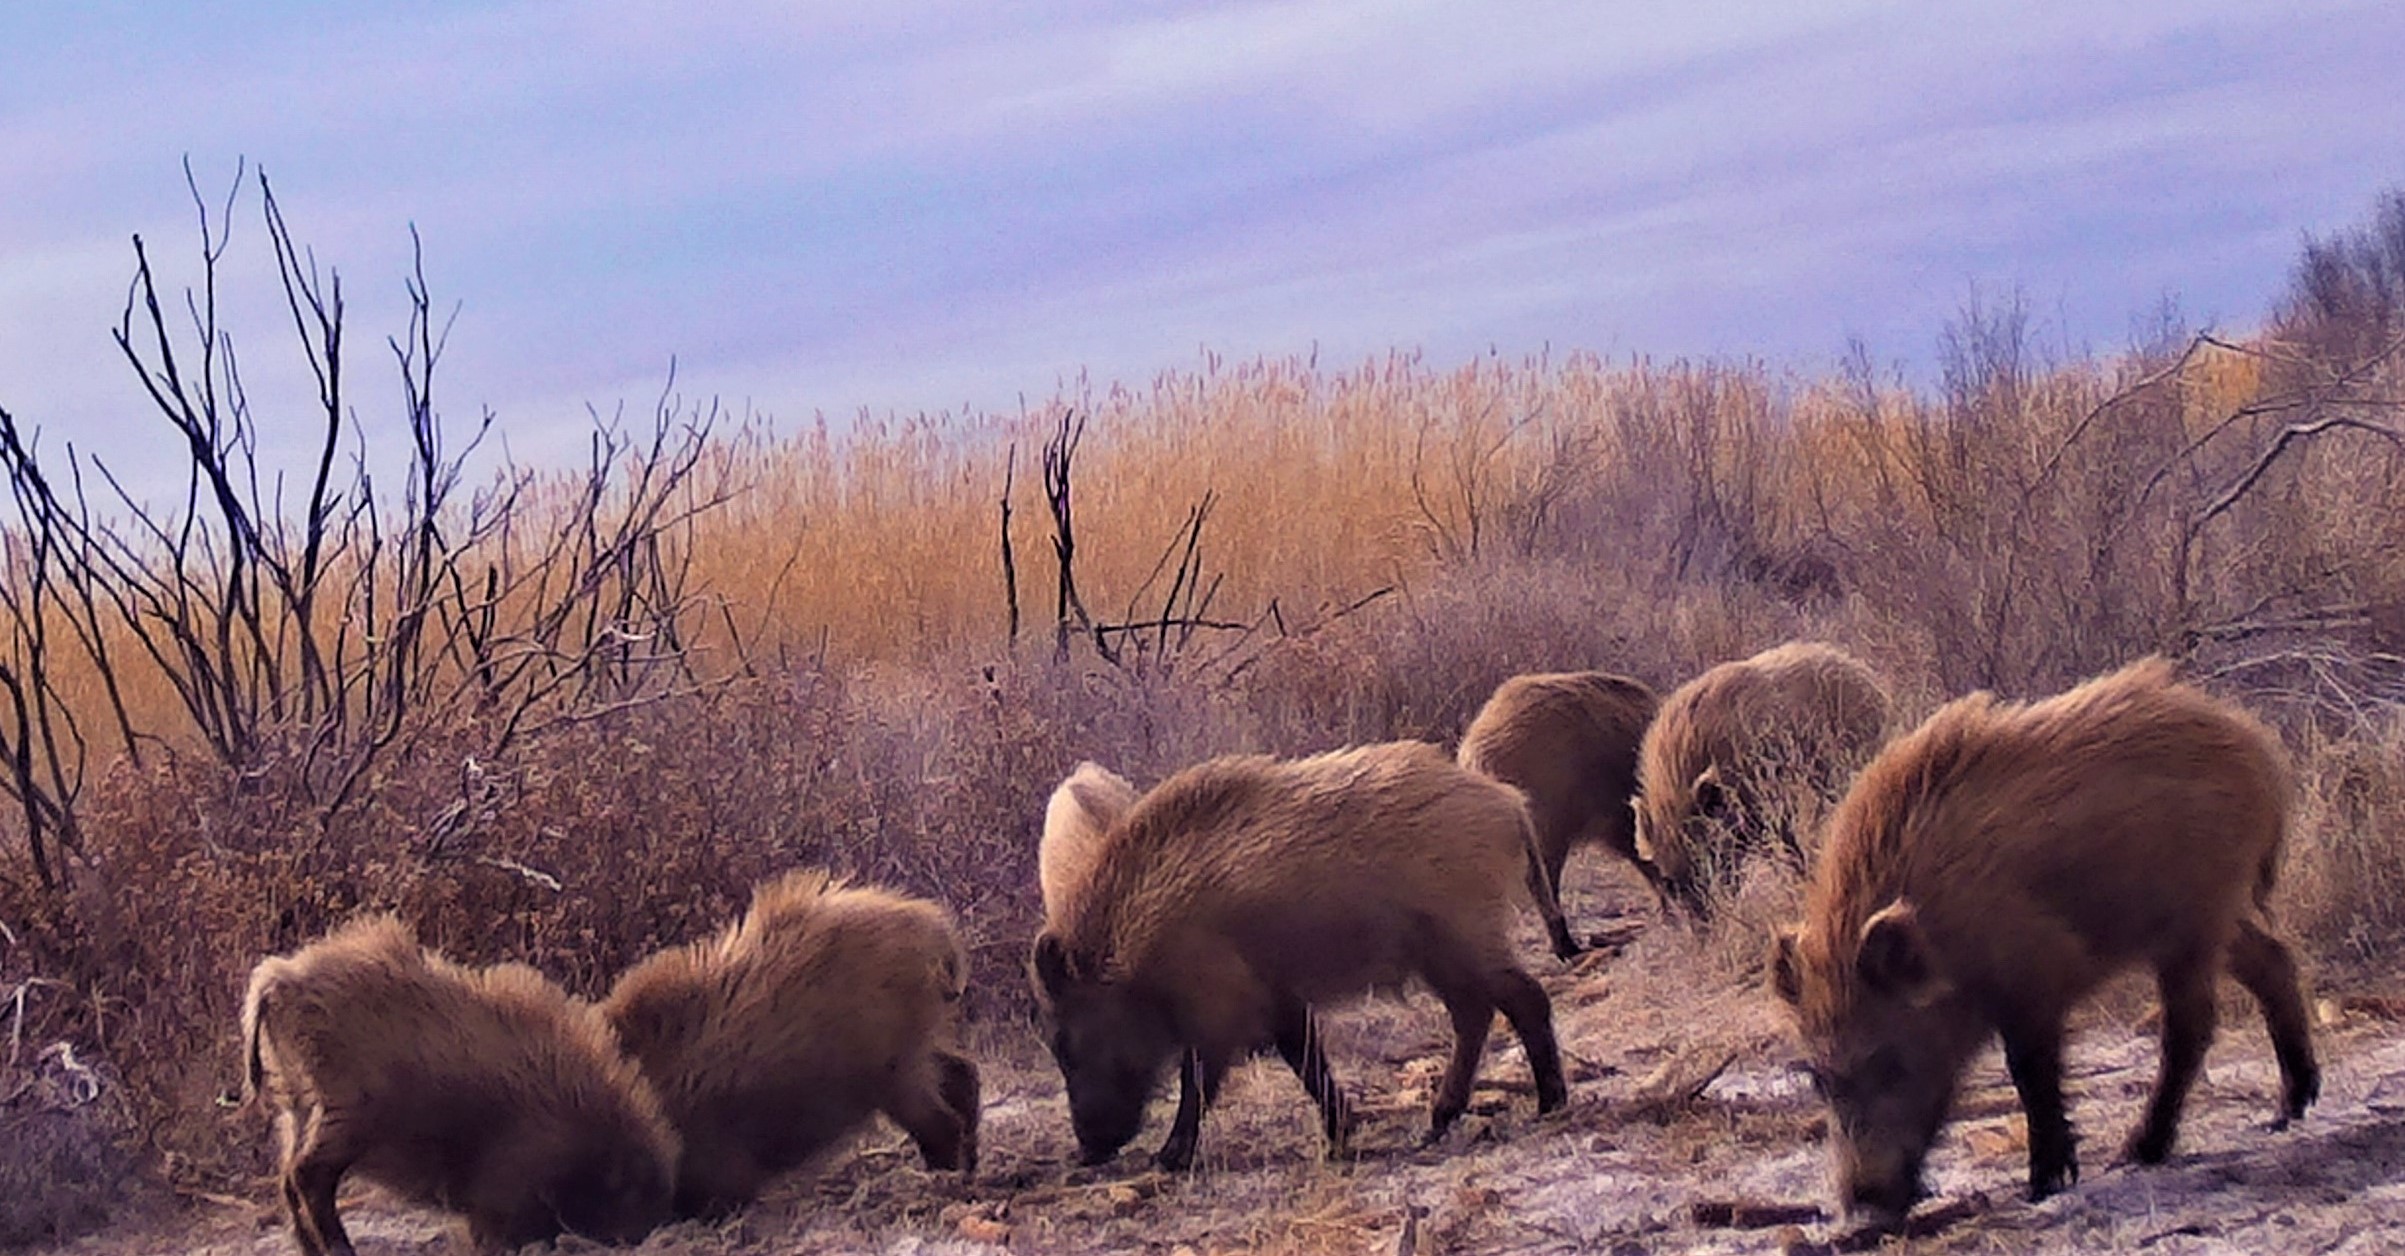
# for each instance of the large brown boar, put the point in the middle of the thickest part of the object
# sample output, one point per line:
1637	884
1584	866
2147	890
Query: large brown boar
1725	744
822	1006
1569	741
489	1092
1081	810
1241	892
1989	870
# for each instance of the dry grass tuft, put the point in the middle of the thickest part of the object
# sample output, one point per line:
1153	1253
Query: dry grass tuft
65	1122
2344	882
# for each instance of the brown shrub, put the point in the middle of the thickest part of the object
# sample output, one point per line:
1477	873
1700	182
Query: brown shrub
2344	885
64	1125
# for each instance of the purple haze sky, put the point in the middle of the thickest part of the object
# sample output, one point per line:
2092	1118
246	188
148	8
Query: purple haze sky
904	206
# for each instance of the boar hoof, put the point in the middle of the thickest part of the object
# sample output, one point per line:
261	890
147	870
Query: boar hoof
1440	1122
1552	1096
2053	1179
2149	1146
2299	1097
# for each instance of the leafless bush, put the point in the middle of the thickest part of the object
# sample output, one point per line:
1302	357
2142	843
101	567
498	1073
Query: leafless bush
41	590
1150	639
1142	640
2345	876
314	637
2347	296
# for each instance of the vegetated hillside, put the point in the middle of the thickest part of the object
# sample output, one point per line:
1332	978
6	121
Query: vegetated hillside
570	717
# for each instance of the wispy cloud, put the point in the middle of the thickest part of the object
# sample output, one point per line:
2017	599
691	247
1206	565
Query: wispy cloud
907	205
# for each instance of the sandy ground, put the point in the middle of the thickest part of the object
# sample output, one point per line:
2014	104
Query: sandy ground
1683	1098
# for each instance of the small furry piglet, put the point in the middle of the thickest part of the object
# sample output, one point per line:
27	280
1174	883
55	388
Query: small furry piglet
1569	741
488	1091
822	1006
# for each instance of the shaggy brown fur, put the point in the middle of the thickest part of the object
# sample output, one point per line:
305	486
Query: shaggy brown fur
1244	890
488	1092
1568	740
822	1006
1082	809
1723	746
1989	870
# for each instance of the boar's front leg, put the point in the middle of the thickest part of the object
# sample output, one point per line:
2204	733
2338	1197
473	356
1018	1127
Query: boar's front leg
1299	1046
1198	1078
2034	1054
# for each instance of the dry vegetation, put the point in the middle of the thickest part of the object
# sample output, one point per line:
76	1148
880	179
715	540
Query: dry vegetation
570	717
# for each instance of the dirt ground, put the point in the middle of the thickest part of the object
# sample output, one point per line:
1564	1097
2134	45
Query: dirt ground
1687	1131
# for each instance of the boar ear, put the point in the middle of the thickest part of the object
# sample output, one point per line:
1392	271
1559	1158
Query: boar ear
1050	964
1711	797
1786	970
1894	956
1102	802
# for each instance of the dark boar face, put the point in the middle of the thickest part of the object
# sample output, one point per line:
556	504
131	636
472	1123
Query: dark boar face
616	1194
1888	1088
1112	1044
1884	1042
1677	835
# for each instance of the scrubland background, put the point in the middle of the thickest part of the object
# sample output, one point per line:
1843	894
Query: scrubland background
572	715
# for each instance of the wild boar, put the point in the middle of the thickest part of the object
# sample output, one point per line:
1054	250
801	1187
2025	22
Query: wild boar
823	1006
489	1092
1722	747
1991	869
1569	741
1242	891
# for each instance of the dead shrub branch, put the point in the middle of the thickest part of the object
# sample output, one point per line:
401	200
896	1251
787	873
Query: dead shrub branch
311	641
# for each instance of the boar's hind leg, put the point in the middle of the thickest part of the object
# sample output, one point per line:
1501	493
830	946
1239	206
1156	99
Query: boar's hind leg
2188	1022
1473	1013
2033	1053
1531	1015
1299	1046
2263	965
1472	991
1550	854
939	1111
1198	1078
323	1153
290	1121
963	1094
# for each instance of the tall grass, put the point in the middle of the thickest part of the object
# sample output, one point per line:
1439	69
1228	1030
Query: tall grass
2028	526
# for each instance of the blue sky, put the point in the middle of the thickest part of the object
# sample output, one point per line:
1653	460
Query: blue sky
903	206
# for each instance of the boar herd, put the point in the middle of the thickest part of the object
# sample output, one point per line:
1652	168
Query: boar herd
1971	879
